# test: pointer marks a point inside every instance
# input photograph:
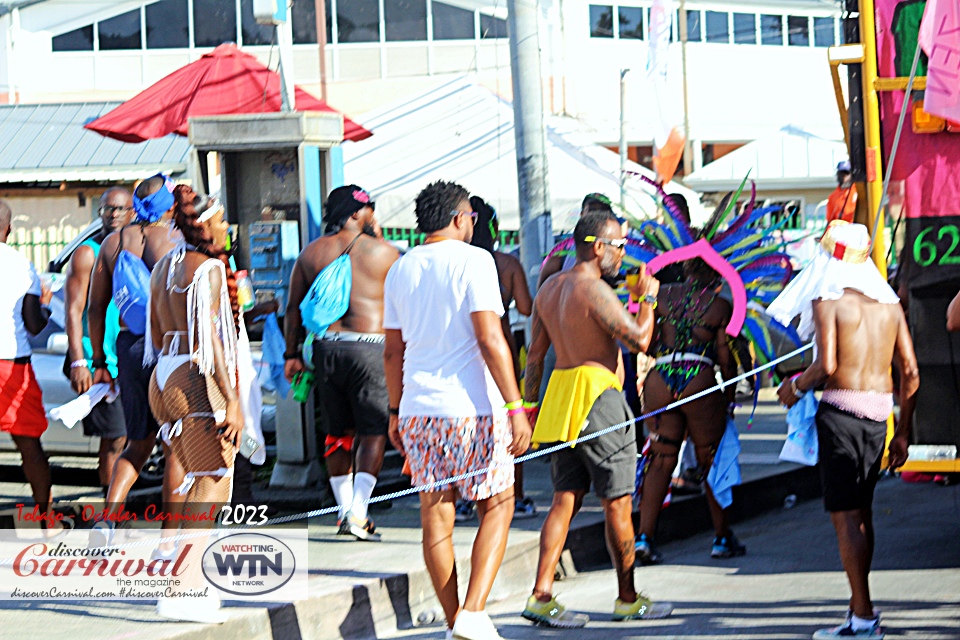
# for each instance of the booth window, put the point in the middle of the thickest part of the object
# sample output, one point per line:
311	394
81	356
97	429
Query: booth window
693	27
631	22
304	22
718	27
492	27
214	22
358	21
120	32
798	31
771	30
252	32
601	21
168	25
77	40
452	23
744	28
823	32
405	20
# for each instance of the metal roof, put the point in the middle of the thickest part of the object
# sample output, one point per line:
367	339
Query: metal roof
47	143
7	7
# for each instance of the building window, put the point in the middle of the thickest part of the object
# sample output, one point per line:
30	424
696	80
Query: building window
358	21
168	25
493	27
693	26
631	23
120	32
405	20
744	28
77	40
214	22
798	31
252	32
718	27
304	22
452	23
771	30
823	32
601	21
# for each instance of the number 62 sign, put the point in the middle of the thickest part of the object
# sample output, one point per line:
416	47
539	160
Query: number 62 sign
932	249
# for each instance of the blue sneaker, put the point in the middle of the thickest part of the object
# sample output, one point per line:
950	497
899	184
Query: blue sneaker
727	547
645	552
846	630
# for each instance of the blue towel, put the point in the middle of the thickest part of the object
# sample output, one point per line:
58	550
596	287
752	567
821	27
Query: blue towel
274	347
801	444
724	474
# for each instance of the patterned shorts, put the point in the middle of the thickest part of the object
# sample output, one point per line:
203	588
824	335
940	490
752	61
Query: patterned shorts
441	448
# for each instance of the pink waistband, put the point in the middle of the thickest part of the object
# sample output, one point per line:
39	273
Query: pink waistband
871	405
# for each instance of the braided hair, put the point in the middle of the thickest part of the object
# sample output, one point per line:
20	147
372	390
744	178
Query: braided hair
187	210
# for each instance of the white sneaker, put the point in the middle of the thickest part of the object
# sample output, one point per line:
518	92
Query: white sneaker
202	610
474	625
449	635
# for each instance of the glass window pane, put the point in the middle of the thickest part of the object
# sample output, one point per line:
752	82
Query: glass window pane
167	25
601	21
492	27
452	23
304	22
798	31
77	40
358	21
718	27
631	23
120	32
744	28
823	32
214	22
771	30
405	20
252	32
693	26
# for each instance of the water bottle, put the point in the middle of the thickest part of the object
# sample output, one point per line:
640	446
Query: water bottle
302	385
245	296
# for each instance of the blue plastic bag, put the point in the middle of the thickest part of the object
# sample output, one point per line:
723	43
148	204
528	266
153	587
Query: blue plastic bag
274	347
801	445
724	474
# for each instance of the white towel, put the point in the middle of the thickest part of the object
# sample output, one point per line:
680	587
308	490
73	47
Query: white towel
76	410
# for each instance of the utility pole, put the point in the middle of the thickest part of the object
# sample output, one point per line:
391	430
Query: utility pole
687	150
623	139
322	44
536	228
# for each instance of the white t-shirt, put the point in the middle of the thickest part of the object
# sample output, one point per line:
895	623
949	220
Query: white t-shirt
19	279
429	296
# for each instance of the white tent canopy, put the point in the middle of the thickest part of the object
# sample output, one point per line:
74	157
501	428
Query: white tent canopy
462	132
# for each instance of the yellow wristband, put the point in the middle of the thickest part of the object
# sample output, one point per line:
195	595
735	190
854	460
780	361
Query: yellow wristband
516	404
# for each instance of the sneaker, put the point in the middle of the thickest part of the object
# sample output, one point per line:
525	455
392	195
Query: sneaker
846	630
449	634
642	609
474	625
524	509
727	547
646	553
465	511
552	614
361	529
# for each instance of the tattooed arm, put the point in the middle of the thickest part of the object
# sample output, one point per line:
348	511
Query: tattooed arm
608	311
539	343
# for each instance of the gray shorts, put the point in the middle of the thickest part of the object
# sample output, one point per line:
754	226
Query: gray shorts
609	462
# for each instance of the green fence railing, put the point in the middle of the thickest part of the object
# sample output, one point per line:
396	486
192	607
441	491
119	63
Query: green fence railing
412	237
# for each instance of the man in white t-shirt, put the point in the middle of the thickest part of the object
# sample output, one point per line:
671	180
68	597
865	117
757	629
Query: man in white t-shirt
449	371
21	402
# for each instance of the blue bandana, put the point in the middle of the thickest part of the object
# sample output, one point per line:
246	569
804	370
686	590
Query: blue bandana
152	208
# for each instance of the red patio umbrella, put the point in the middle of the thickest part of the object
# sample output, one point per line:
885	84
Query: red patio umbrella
222	82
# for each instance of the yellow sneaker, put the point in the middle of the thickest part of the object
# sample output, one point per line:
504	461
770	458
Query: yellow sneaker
552	614
641	609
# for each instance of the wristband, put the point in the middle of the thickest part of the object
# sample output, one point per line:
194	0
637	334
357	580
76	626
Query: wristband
649	299
394	411
796	390
530	405
515	411
76	364
516	404
99	363
292	356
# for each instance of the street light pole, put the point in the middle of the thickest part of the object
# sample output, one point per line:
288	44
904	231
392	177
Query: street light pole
321	8
687	147
623	139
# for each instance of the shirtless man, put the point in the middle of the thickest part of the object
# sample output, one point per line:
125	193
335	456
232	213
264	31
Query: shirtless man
582	317
106	418
348	361
860	331
148	240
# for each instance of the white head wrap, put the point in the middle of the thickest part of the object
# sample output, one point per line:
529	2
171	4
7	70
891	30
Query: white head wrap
841	263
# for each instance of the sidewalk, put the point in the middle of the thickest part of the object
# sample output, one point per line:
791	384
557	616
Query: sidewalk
365	590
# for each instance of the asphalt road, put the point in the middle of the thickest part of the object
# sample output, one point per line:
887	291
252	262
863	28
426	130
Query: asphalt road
790	583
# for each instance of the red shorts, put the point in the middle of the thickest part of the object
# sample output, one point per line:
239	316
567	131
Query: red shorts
21	401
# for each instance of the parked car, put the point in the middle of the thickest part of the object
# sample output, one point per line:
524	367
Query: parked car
49	351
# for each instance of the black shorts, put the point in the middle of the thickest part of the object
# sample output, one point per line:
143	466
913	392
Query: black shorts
609	462
352	387
105	420
851	449
134	382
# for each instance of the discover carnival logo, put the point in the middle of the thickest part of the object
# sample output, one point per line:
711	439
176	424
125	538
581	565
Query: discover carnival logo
249	564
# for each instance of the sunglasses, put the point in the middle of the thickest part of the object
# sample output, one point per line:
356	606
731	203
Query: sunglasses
616	244
472	214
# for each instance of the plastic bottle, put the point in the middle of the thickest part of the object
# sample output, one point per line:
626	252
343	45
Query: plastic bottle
302	385
245	296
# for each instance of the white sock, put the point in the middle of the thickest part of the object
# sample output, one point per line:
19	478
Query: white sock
363	484
860	624
343	491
